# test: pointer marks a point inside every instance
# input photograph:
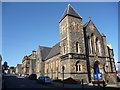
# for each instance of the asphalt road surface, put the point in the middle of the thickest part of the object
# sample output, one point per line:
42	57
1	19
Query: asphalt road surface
14	82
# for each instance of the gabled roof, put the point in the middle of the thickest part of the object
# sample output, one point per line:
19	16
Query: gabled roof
86	24
70	11
54	51
44	51
103	35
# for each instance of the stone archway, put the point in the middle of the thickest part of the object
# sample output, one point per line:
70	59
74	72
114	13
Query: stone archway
96	67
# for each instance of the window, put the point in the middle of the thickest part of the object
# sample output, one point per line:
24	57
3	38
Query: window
98	46
96	67
64	48
97	49
73	25
47	71
77	47
92	42
77	26
78	67
89	44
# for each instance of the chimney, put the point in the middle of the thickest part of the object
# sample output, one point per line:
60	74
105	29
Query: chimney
33	53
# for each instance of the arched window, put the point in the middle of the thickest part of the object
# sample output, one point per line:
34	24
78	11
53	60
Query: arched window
96	67
77	26
92	42
89	44
97	49
78	66
73	25
47	71
64	48
77	47
98	46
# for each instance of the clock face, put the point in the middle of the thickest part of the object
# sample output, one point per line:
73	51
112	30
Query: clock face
92	27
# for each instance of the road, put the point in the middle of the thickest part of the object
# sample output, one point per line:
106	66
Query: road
15	82
12	82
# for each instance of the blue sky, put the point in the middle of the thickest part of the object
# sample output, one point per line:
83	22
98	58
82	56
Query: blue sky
28	25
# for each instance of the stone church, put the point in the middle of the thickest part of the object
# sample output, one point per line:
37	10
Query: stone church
82	51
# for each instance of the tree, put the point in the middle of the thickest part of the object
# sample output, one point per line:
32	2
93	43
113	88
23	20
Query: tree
13	68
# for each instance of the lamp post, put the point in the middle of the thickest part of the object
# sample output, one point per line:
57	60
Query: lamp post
63	68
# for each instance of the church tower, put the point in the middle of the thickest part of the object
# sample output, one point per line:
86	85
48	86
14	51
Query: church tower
72	44
71	32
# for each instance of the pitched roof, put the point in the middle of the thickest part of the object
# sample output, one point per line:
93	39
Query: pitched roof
44	51
70	11
54	51
86	24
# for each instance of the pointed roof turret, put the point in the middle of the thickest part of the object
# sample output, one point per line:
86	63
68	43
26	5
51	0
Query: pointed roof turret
70	11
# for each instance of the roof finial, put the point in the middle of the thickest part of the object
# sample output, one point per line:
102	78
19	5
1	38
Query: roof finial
89	18
68	4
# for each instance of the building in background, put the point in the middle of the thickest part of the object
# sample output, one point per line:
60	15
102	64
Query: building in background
25	65
5	68
42	53
18	69
29	63
33	57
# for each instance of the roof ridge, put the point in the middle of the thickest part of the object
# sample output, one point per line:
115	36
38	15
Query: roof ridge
55	44
86	24
44	47
52	53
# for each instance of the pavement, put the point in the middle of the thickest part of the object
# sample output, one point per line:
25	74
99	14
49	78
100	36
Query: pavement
60	85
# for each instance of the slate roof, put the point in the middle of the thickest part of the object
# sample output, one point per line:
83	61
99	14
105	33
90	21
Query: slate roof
86	24
54	51
70	11
44	51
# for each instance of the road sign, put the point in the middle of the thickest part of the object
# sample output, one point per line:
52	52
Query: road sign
97	76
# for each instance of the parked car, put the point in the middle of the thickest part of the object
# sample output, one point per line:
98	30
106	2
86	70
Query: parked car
23	75
44	79
33	76
26	75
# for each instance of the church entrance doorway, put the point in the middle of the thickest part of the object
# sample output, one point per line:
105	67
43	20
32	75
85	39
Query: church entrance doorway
97	74
96	67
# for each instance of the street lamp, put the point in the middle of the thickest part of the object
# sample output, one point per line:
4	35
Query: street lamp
63	68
